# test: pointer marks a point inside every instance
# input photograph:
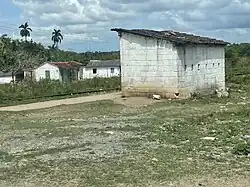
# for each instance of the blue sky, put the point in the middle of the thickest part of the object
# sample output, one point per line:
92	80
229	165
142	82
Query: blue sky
86	23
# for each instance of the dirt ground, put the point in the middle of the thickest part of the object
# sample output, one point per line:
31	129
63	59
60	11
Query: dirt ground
53	103
116	96
127	142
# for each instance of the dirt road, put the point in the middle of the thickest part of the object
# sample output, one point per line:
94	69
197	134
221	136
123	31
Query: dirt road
48	104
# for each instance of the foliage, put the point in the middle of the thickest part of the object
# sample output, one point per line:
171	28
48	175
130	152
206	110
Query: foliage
238	63
242	149
25	30
48	88
57	37
16	54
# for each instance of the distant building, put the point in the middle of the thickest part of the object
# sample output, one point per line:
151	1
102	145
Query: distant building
101	68
8	77
170	63
63	71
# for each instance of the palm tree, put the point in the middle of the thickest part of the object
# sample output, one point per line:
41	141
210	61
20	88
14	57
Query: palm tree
25	30
57	37
3	36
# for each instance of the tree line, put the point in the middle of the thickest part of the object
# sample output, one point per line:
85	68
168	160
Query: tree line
20	54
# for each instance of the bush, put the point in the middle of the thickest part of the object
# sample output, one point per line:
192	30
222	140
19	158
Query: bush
242	149
48	88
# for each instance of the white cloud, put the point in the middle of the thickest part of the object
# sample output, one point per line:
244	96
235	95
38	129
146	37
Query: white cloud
82	20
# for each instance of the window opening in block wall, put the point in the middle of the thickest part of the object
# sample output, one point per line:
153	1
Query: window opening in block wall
112	70
185	67
199	66
213	64
218	64
206	66
192	67
94	71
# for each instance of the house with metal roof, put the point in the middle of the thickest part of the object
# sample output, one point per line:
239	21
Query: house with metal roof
172	64
101	68
63	71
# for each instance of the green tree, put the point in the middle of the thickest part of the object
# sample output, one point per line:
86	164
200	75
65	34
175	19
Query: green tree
25	30
57	37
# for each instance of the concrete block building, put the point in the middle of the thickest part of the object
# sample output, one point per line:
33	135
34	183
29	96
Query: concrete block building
63	71
170	63
101	68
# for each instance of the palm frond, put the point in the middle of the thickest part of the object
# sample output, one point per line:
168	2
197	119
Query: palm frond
29	29
21	26
22	33
60	35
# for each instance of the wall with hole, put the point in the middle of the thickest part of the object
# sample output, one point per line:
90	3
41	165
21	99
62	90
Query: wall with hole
157	66
202	68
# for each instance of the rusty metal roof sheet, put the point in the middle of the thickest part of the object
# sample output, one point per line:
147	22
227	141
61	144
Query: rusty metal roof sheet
173	36
66	65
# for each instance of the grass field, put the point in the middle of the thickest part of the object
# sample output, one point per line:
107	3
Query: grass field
198	142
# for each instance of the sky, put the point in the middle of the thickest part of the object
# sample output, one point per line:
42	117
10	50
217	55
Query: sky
86	24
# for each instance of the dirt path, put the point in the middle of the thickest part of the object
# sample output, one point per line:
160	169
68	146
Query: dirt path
48	104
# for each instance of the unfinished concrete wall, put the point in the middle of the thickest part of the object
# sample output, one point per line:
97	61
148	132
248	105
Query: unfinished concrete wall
202	69
148	66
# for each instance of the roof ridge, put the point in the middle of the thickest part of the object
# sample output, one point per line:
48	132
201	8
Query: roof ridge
174	36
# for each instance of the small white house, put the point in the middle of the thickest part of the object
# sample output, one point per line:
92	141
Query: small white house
8	77
170	63
63	71
101	68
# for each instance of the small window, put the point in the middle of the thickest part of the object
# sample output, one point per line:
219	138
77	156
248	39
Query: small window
94	71
192	67
213	64
199	66
218	64
206	66
47	74
112	70
185	67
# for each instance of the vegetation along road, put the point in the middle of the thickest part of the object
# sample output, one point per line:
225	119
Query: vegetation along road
48	104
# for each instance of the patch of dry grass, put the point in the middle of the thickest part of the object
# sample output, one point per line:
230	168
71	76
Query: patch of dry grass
110	144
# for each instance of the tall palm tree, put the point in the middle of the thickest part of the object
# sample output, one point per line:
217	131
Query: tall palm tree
25	30
57	37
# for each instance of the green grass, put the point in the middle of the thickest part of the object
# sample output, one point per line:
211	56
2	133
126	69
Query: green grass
107	144
28	91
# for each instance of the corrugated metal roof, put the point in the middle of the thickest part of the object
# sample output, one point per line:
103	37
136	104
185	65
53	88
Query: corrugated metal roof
173	36
66	65
103	63
9	74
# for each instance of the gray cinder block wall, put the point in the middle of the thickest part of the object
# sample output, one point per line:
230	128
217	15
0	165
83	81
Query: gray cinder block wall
156	65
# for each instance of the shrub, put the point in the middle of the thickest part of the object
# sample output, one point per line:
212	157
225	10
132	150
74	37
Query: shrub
242	149
46	88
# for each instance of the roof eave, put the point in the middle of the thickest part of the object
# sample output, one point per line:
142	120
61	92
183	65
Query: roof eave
218	43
